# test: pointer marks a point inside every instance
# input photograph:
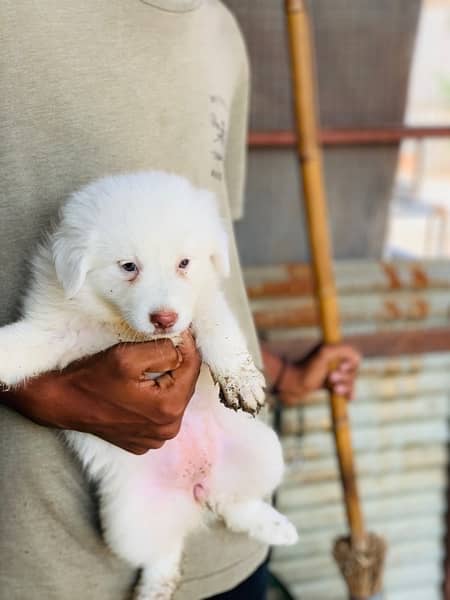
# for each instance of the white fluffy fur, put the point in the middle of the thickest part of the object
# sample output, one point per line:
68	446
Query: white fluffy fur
80	302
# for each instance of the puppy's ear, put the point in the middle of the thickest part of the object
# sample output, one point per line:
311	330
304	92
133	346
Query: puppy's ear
70	257
211	224
220	256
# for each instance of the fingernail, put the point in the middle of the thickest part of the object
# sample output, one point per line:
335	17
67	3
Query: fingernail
180	357
341	390
335	376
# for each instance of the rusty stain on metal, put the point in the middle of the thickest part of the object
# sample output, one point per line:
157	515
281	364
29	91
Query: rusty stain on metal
299	282
393	368
304	316
277	288
296	280
419	277
392	311
392	275
419	309
299	271
273	288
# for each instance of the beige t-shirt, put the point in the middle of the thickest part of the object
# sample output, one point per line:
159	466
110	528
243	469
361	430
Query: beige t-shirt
89	89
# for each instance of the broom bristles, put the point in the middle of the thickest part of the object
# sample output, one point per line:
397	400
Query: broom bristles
362	566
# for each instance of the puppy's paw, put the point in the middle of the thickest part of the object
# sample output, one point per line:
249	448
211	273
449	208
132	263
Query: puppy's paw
277	531
260	521
242	389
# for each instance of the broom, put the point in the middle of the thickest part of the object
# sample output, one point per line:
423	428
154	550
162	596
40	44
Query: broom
360	555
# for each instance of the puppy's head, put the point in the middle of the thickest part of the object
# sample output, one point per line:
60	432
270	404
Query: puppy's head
142	249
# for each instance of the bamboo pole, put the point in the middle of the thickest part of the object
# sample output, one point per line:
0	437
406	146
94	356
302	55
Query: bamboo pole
361	555
311	168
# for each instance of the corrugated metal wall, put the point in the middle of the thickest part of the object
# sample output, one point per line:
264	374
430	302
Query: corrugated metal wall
401	430
374	296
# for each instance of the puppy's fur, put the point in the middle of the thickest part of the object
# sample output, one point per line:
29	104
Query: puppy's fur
83	298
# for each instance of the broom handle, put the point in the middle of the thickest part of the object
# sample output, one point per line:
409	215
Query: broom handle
311	174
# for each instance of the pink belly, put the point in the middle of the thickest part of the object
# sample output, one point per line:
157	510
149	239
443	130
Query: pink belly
186	461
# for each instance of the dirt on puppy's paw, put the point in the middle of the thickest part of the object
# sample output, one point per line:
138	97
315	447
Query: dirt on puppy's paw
243	390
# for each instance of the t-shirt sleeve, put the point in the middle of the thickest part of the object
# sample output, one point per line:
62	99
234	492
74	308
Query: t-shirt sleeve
236	150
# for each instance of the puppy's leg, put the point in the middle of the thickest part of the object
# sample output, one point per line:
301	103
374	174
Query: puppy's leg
26	351
260	521
146	522
224	350
149	536
250	469
159	580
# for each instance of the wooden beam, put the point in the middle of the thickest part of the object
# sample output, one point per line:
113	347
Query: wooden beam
348	137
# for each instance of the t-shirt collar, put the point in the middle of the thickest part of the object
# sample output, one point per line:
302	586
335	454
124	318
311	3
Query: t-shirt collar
174	5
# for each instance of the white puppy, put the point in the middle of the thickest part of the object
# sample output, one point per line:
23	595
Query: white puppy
142	256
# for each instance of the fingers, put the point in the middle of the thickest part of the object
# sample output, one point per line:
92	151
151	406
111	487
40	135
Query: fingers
342	386
343	372
155	356
158	356
175	389
188	351
137	447
342	379
343	354
160	402
189	369
138	439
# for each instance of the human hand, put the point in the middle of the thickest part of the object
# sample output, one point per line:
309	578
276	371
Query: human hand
109	396
313	373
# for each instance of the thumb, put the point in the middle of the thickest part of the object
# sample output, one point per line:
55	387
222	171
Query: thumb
190	356
157	356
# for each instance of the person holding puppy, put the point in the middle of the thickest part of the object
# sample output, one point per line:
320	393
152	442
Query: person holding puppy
91	89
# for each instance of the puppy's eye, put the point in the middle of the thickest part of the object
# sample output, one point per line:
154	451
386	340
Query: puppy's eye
129	267
183	263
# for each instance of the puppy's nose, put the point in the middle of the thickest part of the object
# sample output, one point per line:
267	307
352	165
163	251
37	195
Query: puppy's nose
164	319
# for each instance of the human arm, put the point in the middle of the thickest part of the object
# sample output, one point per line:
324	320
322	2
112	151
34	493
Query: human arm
297	379
107	394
